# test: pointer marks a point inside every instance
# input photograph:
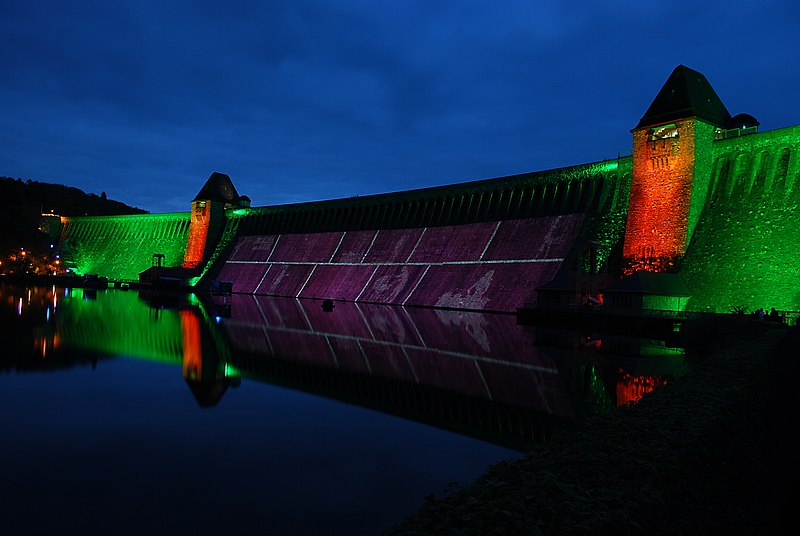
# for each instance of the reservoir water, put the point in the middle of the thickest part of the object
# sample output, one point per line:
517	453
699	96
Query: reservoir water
125	412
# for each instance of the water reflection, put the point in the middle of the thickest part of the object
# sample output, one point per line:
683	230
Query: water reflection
478	374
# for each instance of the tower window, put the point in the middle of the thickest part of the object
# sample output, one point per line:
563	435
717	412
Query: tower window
663	133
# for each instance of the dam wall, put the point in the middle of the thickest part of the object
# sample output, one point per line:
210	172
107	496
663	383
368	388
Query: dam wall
745	251
121	247
485	245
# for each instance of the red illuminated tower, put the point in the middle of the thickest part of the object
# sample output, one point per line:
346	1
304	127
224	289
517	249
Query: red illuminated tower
671	149
208	218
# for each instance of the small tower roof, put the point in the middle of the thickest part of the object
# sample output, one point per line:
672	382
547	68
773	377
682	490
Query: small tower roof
742	121
686	93
218	187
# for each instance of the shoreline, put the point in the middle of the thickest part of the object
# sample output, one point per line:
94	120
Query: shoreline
705	454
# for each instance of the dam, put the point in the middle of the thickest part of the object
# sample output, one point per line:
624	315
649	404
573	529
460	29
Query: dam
706	206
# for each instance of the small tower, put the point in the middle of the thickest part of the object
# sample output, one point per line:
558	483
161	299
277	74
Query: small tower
208	218
671	156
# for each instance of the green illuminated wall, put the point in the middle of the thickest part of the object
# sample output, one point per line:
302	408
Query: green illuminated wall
120	247
608	227
745	251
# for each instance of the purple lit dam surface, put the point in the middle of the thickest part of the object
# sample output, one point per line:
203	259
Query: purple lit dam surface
471	266
136	413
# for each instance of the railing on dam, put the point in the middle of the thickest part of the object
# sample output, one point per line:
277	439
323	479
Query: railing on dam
584	189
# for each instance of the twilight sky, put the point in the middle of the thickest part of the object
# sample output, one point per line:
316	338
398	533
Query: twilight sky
301	100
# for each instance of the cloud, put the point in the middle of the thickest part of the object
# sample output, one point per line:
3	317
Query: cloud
319	99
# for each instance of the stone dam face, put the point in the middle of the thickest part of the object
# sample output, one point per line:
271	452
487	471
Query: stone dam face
485	245
488	266
121	247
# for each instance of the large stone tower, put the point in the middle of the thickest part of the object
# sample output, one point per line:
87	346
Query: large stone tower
208	217
671	155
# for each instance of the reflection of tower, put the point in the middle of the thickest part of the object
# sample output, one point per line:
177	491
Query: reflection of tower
208	217
192	345
671	151
203	369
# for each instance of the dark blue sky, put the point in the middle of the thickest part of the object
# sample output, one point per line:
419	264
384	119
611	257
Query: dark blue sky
303	100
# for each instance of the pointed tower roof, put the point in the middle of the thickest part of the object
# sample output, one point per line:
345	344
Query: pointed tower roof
218	187
686	93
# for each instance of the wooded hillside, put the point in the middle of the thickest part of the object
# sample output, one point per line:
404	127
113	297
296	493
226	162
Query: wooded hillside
23	202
